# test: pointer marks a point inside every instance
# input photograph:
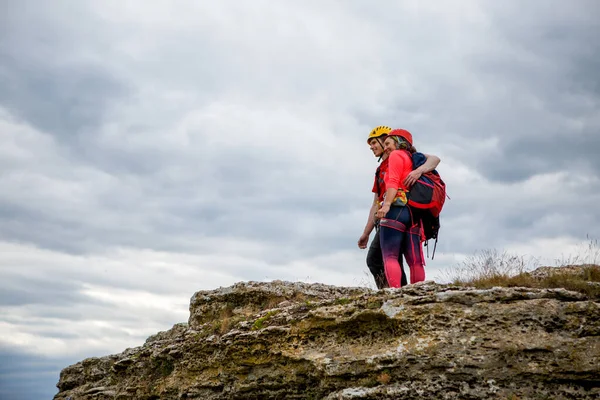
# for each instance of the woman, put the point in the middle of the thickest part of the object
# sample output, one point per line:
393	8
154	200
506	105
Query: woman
400	227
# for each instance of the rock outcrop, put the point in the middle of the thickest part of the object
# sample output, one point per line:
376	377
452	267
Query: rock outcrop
282	340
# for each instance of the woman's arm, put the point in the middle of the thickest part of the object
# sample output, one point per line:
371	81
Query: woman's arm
390	195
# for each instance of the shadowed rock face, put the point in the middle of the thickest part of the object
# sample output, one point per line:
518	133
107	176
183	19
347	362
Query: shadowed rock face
282	340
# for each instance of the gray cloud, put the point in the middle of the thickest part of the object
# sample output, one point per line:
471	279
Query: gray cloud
24	376
162	190
528	81
150	150
67	101
47	79
19	290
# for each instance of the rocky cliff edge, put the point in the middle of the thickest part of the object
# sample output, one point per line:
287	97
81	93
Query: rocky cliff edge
282	340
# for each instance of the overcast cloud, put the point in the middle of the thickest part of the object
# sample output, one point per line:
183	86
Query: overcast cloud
152	149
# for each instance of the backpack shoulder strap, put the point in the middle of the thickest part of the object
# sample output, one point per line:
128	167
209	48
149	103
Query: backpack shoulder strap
418	159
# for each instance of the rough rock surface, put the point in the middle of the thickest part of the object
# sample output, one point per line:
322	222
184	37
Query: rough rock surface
544	272
282	340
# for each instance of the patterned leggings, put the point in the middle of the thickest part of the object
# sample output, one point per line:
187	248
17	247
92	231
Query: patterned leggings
400	234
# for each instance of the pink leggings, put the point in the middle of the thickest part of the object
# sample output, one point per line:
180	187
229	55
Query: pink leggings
397	239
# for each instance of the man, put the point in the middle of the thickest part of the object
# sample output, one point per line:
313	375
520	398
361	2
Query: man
374	257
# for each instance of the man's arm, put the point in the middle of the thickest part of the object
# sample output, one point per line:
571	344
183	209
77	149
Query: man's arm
364	238
429	165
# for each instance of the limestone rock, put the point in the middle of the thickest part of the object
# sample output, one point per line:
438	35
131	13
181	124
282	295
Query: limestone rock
545	272
283	340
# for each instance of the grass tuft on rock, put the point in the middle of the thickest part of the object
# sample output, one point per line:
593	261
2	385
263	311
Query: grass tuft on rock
489	268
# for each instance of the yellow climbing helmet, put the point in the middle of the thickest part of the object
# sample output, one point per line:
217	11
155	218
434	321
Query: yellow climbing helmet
379	131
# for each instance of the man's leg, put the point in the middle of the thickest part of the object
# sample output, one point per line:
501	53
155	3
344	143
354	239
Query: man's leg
375	262
403	282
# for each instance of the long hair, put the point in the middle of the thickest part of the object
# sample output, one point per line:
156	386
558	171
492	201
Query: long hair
402	144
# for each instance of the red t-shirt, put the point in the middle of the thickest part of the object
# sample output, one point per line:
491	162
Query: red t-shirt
400	165
379	184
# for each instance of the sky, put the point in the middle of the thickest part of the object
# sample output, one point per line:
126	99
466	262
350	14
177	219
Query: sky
149	150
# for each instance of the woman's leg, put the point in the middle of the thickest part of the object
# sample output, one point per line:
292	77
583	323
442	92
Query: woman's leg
413	247
391	240
392	233
375	264
413	252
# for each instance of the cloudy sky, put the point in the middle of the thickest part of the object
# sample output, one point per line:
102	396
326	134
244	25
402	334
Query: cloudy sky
152	149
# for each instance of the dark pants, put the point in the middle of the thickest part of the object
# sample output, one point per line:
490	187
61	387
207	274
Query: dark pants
376	266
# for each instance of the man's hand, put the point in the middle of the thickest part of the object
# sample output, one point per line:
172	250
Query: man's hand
412	177
363	240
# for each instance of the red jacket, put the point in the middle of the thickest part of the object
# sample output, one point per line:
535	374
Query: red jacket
379	184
